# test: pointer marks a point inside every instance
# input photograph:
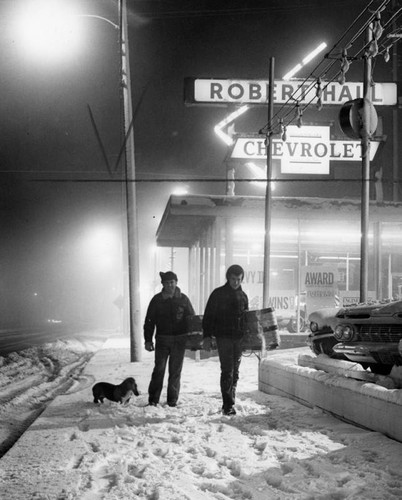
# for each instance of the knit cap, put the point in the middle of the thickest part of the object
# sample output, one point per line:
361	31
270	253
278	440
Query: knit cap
168	276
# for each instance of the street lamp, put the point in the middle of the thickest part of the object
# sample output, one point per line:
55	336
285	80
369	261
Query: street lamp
130	187
55	19
48	30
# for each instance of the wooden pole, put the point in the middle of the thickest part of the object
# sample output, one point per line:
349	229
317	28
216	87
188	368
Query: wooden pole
365	185
131	201
268	196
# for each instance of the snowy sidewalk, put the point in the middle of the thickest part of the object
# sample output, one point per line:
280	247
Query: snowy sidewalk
274	448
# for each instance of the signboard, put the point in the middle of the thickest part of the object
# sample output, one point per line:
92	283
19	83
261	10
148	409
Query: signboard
321	285
225	91
307	150
283	301
350	297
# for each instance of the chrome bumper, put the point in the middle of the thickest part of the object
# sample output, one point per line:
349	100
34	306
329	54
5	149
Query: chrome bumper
362	352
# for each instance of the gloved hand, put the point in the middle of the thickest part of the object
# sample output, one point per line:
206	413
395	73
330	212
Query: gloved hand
207	344
149	346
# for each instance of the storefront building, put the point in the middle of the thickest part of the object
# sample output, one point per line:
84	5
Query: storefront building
315	248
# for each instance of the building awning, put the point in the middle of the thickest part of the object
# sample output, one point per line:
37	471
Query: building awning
186	217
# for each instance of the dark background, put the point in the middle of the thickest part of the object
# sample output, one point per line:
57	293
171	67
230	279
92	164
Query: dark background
55	190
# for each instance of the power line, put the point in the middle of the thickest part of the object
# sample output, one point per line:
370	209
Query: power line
331	60
234	11
215	179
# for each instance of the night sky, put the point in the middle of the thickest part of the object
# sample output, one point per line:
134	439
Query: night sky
55	190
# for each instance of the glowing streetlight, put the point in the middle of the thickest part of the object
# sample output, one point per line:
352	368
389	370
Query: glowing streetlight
48	30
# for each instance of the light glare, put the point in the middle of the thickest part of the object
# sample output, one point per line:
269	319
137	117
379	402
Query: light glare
48	30
180	191
218	128
260	175
315	52
293	71
306	60
100	248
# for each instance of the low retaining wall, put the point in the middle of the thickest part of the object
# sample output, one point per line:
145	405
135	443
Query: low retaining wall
359	402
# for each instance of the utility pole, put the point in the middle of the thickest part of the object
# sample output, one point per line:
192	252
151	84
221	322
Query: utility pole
395	111
365	186
268	195
130	193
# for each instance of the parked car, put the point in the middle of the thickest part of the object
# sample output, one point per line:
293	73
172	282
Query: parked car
370	334
322	323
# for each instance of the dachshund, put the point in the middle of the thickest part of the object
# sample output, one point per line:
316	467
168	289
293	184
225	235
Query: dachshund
117	393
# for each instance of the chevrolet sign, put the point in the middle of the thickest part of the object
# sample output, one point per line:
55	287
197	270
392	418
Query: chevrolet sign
307	150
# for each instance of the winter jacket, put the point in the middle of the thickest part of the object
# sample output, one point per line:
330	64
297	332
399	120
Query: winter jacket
223	312
167	314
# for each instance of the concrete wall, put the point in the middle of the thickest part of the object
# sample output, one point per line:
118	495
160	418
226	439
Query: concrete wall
359	402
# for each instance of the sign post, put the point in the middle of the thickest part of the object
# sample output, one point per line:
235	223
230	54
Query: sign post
358	118
268	201
365	194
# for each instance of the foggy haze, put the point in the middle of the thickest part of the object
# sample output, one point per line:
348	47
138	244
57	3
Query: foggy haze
55	191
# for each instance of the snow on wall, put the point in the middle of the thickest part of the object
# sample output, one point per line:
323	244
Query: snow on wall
363	403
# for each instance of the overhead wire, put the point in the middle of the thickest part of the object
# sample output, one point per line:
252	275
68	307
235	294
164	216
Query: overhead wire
384	47
314	71
294	105
188	13
187	180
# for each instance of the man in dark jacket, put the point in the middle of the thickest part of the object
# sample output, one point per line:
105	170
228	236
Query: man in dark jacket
167	313
223	320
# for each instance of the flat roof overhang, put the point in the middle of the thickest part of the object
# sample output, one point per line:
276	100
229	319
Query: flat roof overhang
187	216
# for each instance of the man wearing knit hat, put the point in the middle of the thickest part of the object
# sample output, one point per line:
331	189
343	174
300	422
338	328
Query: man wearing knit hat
166	315
223	320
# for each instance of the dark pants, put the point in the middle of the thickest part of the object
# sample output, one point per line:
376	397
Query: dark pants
230	352
173	348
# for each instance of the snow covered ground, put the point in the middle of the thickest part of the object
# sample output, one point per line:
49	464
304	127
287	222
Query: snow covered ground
274	448
31	378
